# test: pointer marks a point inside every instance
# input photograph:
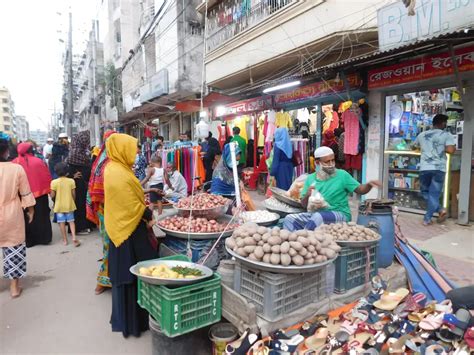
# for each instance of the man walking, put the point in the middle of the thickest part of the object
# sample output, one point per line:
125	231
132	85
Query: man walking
243	148
48	150
434	145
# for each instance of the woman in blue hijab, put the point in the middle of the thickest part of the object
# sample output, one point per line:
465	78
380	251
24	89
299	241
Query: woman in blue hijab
222	177
282	165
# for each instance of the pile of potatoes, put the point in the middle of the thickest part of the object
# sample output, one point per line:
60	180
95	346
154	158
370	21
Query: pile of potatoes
281	247
348	232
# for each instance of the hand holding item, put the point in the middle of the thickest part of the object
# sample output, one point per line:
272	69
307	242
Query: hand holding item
78	175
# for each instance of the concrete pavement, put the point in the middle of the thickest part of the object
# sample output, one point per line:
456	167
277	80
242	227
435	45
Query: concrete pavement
58	312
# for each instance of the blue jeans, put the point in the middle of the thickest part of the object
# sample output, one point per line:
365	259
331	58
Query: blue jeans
431	182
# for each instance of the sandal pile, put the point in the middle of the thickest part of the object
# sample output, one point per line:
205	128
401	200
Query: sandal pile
381	323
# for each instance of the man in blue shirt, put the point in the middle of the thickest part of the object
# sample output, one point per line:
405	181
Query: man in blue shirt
434	145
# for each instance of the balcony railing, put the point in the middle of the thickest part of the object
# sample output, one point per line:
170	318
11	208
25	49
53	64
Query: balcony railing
232	17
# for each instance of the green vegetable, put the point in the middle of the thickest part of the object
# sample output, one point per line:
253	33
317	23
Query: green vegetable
187	271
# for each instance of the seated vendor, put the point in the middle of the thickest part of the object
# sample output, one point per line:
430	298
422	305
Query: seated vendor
334	185
176	186
222	177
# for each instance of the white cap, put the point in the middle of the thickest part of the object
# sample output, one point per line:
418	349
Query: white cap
50	139
62	135
322	152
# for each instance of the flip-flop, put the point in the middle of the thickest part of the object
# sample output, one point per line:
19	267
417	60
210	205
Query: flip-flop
348	327
419	316
435	349
445	307
442	216
318	339
76	243
457	324
390	300
431	321
398	347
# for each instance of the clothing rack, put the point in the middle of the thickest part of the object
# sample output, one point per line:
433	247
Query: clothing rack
187	161
301	145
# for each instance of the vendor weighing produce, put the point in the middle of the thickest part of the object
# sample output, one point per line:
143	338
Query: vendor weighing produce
325	194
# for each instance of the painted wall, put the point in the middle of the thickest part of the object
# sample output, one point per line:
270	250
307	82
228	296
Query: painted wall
300	24
375	141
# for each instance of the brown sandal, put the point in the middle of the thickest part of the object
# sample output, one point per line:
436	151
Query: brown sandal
76	243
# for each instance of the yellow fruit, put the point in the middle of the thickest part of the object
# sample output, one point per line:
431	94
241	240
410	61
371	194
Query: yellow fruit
155	273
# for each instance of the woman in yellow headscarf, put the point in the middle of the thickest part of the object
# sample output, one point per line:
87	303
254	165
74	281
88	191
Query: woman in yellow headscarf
126	218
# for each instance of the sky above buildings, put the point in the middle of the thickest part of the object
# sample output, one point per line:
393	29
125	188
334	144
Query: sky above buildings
31	53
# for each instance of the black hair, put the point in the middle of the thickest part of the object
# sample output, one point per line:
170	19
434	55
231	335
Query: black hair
156	159
236	130
161	138
4	147
61	169
439	118
139	146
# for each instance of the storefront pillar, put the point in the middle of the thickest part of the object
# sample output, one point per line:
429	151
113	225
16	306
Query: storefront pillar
375	141
466	154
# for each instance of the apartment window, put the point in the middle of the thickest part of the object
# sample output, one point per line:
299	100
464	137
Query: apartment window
6	119
5	101
5	109
6	127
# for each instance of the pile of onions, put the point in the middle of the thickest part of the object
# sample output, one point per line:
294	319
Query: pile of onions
198	225
203	201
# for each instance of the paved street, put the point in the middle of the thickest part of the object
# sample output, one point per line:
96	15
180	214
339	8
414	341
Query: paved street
58	312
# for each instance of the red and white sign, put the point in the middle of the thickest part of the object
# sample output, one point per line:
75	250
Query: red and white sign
430	66
245	106
317	90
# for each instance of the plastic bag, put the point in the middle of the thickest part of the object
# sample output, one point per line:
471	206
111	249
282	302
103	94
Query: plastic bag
295	189
316	201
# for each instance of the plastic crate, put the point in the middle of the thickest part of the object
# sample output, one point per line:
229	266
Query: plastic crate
182	309
351	267
275	295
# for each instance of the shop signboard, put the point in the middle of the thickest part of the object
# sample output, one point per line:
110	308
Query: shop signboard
245	106
426	67
318	90
432	18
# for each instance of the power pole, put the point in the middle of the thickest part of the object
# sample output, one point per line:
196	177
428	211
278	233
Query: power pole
95	102
70	108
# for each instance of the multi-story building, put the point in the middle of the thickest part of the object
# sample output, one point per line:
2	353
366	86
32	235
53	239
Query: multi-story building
39	137
7	113
23	128
89	101
163	66
118	23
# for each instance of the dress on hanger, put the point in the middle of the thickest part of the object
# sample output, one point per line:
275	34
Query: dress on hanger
351	129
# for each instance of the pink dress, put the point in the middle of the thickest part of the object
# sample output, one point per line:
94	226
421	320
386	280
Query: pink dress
13	184
351	132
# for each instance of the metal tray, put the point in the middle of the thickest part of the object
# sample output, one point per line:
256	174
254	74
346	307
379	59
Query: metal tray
205	212
281	213
198	236
280	195
268	223
171	263
278	268
358	244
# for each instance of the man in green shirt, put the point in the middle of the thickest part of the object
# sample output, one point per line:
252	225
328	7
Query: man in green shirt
243	148
334	185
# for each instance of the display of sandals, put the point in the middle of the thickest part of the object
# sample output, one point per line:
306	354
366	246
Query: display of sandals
383	322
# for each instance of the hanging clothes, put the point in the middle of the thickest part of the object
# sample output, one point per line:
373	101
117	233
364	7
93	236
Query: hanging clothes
351	129
261	130
271	126
242	122
283	119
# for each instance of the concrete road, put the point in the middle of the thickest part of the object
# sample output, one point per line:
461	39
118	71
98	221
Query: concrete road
58	312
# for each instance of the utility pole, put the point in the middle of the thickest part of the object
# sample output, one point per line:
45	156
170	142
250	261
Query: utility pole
95	103
70	107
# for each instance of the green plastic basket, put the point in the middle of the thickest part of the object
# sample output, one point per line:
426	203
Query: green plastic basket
351	268
183	309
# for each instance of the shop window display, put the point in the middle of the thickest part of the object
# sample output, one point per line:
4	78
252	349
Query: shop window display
407	116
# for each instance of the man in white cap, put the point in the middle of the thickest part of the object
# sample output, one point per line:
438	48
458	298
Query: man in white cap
334	186
59	153
48	149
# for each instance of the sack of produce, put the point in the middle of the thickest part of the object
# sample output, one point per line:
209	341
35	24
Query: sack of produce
295	188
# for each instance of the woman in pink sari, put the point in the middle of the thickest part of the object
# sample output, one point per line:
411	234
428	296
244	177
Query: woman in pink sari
39	231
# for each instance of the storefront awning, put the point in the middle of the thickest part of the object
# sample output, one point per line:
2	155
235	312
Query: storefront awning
211	99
